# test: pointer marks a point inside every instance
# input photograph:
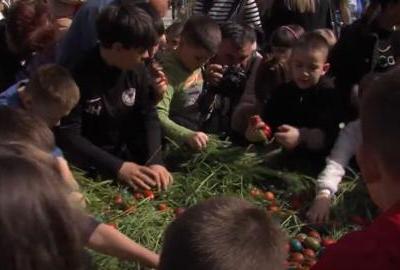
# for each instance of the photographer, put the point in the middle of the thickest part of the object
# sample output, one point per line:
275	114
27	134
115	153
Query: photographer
230	77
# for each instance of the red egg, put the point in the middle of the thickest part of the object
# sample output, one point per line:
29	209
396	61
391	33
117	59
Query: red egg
269	196
309	253
148	194
296	257
315	235
326	241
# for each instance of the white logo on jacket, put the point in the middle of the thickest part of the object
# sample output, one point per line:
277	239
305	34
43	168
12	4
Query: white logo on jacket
129	96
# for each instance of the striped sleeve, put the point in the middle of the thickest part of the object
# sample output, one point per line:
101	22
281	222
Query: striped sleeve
252	14
198	8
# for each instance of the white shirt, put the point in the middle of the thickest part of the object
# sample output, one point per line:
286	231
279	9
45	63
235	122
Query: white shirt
345	148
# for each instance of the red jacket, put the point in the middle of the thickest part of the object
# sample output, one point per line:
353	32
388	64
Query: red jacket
375	248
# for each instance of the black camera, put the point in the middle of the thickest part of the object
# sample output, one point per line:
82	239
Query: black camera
232	83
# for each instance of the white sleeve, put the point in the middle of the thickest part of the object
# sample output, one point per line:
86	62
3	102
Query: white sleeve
345	148
330	177
347	143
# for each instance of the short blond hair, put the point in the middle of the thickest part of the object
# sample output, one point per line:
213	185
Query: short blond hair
53	86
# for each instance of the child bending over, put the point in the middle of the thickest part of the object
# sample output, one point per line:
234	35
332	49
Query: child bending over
179	111
223	234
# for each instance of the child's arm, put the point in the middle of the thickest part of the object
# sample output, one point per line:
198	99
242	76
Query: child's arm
75	197
107	240
197	140
330	178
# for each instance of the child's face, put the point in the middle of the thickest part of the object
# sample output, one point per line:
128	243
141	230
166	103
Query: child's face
193	57
307	67
128	59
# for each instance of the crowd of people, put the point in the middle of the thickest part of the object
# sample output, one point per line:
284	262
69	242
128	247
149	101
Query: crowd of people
101	84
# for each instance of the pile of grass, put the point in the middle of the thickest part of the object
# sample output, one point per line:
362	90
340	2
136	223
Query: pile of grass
221	169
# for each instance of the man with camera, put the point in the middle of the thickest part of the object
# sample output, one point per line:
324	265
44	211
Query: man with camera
229	77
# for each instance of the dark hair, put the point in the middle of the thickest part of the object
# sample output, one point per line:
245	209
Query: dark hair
203	32
157	20
53	86
239	34
16	125
312	41
127	24
286	35
380	117
30	26
175	29
223	234
43	234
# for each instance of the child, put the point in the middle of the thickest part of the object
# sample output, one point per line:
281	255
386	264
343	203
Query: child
274	71
17	126
329	35
304	113
114	128
173	35
178	111
50	94
376	247
224	234
344	149
47	233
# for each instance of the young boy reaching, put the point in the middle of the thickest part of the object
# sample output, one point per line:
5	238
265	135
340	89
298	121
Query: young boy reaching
115	127
178	111
377	246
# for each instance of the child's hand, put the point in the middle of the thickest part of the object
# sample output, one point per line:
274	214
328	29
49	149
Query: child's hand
198	141
160	85
214	74
159	80
254	133
164	178
319	211
288	136
137	176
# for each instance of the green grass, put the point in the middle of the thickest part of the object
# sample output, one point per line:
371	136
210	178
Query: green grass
221	169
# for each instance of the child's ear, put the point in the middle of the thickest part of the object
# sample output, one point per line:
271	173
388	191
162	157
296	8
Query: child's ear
325	68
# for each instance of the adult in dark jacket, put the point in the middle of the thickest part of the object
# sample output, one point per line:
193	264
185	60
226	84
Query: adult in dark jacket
116	124
310	14
370	44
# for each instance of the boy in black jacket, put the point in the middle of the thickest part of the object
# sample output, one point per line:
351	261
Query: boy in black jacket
304	114
115	123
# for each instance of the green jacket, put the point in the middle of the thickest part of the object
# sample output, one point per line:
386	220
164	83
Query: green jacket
178	110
